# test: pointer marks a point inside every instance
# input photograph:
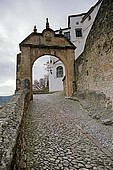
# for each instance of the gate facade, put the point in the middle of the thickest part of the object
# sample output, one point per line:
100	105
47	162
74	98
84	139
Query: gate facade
37	45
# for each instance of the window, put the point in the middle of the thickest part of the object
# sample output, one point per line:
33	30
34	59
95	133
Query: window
89	17
67	35
59	71
78	32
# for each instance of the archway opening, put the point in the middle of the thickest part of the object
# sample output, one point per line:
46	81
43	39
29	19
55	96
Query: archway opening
40	75
48	75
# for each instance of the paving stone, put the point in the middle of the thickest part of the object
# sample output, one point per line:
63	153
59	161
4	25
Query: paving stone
54	140
80	165
88	166
65	163
94	168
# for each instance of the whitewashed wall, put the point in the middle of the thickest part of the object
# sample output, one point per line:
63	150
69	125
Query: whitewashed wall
56	83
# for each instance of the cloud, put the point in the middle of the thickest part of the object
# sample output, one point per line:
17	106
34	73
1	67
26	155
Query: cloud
9	69
7	78
17	19
7	90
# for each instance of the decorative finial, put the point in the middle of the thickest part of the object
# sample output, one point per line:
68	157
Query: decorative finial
35	30
60	32
47	23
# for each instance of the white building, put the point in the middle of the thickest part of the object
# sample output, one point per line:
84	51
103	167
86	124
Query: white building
77	31
56	72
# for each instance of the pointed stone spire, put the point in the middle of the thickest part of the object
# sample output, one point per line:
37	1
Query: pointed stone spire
35	29
47	23
60	32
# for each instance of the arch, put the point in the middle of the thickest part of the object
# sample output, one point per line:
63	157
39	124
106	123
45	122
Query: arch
40	44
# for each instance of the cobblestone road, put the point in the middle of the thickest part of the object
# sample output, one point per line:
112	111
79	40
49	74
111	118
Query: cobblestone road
54	139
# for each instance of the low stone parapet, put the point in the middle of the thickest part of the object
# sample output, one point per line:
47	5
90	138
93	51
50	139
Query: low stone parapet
10	122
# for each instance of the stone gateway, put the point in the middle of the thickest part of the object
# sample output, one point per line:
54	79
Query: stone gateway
37	45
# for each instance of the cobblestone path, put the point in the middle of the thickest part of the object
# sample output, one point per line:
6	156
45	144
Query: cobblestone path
54	139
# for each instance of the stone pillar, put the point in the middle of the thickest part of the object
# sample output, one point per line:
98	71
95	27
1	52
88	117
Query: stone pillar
25	69
70	73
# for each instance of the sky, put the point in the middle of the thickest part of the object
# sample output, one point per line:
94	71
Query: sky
17	19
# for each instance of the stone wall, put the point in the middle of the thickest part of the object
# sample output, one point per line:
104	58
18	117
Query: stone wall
94	68
10	124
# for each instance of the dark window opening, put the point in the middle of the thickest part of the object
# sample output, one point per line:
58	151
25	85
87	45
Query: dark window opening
89	17
78	32
67	35
77	23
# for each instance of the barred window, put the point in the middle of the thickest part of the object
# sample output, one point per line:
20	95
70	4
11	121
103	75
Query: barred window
59	71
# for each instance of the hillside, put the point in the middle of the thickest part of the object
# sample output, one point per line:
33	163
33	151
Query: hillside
4	99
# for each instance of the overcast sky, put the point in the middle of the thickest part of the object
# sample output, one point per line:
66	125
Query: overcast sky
17	19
